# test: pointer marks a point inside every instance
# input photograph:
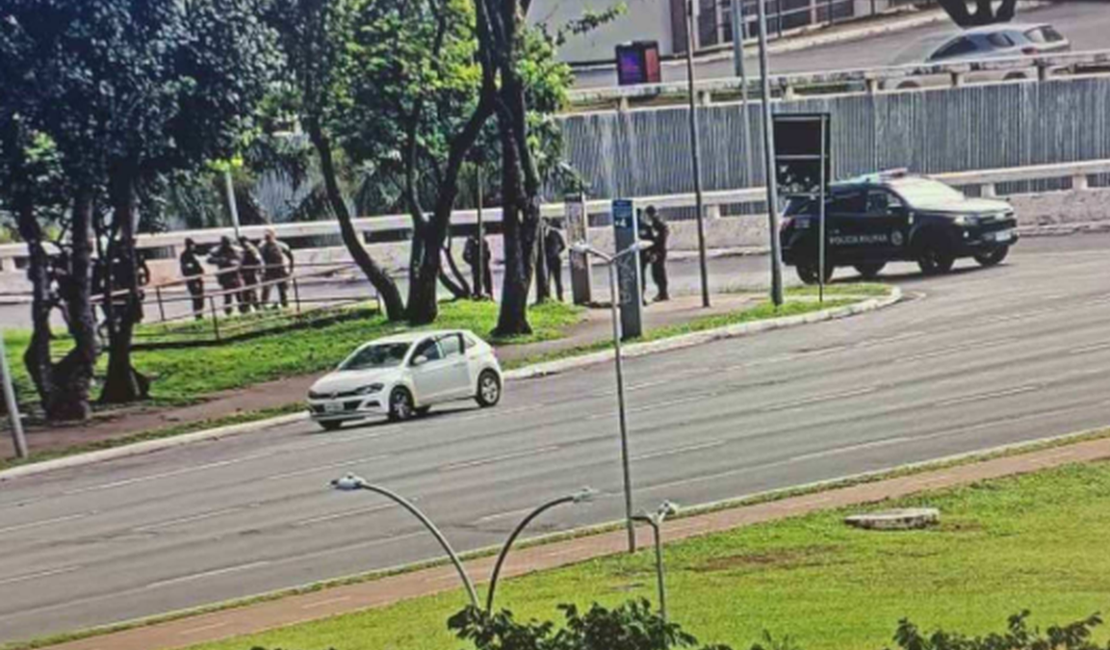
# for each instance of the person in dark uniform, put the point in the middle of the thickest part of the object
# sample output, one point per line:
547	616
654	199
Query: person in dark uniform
645	233
553	246
274	255
252	266
660	233
193	272
483	288
227	259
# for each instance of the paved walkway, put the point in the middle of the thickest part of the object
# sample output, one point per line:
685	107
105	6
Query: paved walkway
130	422
386	591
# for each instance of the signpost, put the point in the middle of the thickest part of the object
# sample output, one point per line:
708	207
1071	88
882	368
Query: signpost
19	441
578	230
626	232
803	167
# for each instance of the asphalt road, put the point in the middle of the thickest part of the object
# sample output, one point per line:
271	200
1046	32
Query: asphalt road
972	360
1083	23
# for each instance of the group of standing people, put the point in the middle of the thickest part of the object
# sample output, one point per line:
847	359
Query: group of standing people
239	268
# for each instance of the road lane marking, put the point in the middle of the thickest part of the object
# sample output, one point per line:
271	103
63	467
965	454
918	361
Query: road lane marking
980	397
342	515
817	399
188	519
347	548
503	515
1090	348
320	468
40	574
207	574
850	448
681	450
496	459
325	603
170	474
45	522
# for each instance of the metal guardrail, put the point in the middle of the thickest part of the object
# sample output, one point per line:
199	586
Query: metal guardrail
1039	67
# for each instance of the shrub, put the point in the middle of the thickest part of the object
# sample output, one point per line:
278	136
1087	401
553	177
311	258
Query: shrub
1018	636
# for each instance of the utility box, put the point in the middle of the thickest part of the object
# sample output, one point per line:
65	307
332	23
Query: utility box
626	232
638	63
578	231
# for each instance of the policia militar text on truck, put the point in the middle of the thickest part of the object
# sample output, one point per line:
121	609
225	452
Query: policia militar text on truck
895	216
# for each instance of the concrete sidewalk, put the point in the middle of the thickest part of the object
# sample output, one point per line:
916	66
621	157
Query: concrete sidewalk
383	592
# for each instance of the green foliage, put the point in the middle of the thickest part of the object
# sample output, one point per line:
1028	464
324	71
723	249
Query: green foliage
631	626
1017	636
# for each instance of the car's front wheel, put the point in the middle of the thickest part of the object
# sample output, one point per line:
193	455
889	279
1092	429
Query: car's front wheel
993	257
934	259
871	270
489	389
401	406
807	272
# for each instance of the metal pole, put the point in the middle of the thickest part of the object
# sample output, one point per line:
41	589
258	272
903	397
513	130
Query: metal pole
512	538
695	146
659	569
231	206
161	307
769	160
821	224
215	318
615	298
296	295
739	33
481	261
18	438
414	511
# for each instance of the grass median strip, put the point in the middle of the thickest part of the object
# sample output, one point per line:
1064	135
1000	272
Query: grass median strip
1032	541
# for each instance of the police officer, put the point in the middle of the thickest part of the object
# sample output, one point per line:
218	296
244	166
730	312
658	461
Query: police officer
484	287
274	274
252	265
228	260
553	246
660	233
193	272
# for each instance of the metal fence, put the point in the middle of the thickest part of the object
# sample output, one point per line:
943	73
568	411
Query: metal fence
988	126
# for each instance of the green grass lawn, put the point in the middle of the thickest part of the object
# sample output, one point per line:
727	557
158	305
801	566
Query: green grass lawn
1035	541
186	374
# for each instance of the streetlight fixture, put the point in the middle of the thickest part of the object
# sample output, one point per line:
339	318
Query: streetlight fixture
351	483
585	495
610	262
655	520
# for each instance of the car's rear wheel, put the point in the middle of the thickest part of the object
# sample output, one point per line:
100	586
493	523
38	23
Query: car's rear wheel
331	426
489	389
869	271
933	258
993	257
401	405
807	272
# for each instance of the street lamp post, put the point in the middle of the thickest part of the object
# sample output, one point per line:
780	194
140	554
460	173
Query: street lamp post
350	483
695	146
738	33
655	520
610	261
582	496
769	157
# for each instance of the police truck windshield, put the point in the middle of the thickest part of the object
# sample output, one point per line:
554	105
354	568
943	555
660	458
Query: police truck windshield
922	191
372	357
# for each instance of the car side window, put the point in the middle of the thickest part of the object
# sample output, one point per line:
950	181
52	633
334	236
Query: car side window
957	47
470	342
853	202
999	39
428	349
882	202
451	345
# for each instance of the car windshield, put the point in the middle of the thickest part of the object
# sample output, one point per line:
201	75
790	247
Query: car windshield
383	355
920	191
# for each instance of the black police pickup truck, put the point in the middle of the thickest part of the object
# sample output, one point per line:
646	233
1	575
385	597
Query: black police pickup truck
895	216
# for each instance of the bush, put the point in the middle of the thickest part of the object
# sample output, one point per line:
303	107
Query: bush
1018	636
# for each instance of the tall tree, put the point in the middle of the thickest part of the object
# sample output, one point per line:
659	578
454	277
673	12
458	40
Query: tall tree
314	35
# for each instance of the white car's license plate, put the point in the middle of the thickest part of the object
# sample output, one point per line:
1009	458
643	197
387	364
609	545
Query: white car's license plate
333	407
1003	235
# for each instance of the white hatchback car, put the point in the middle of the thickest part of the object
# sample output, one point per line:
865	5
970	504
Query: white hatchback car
403	376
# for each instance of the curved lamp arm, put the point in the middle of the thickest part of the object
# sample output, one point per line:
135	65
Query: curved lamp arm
350	482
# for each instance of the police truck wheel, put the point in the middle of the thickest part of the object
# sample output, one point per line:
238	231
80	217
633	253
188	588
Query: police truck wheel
400	405
489	389
807	273
331	426
870	271
994	257
933	259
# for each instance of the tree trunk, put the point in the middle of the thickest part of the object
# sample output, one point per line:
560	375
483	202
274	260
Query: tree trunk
72	376
37	356
386	287
123	383
456	283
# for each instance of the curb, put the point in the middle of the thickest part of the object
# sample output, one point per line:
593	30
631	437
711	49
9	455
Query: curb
528	372
699	338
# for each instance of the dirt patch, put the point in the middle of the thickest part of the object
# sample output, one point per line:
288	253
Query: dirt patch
779	558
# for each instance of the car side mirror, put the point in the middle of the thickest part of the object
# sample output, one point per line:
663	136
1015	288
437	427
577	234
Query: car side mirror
419	360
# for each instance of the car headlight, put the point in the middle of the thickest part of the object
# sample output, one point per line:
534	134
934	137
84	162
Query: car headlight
966	220
369	390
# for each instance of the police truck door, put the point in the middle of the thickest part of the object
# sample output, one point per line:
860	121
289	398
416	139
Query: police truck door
888	224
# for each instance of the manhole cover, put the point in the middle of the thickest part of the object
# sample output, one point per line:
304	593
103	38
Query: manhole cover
907	519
